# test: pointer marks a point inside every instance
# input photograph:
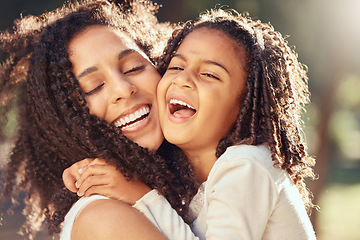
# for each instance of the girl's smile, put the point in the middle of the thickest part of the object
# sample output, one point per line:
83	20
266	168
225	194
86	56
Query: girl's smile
179	110
199	94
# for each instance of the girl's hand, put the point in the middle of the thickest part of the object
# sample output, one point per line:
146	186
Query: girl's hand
71	174
98	177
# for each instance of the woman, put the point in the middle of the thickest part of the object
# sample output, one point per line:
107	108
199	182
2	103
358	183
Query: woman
58	121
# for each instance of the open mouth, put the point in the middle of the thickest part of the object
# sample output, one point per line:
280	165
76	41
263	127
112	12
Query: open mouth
180	109
133	119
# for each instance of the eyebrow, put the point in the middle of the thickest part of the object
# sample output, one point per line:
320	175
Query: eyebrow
89	70
205	61
217	64
126	52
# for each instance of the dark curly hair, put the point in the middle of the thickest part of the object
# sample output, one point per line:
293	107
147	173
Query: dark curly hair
55	128
276	92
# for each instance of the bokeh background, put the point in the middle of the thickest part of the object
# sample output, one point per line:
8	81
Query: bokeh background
326	34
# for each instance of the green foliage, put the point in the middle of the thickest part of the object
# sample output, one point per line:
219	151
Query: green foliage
338	217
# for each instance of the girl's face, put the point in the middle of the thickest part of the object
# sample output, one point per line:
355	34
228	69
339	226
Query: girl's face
119	83
200	92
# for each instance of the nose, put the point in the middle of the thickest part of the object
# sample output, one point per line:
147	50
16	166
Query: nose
184	79
122	88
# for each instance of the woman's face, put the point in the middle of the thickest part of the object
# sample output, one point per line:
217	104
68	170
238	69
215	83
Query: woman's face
119	83
200	92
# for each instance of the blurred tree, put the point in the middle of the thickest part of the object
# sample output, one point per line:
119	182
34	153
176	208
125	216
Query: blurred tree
11	10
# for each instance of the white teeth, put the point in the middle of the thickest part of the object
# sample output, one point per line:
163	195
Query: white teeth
133	124
132	117
176	101
137	114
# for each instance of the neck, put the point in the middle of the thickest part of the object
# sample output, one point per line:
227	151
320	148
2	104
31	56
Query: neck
202	161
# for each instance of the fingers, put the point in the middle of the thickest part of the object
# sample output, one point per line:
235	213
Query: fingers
96	175
69	179
94	184
71	174
96	161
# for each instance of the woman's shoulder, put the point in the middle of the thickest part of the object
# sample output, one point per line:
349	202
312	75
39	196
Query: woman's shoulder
100	218
102	209
73	213
111	219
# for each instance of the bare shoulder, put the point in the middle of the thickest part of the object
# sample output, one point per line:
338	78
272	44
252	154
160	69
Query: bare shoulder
113	219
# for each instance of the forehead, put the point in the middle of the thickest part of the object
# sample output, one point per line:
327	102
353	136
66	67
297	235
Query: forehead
213	44
97	38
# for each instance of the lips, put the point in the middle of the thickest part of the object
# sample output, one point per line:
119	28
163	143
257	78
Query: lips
180	109
132	120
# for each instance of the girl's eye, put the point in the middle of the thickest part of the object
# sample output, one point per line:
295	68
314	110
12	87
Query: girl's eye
210	76
135	70
95	90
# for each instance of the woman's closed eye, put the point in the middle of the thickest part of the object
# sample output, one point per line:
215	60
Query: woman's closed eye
94	90
135	70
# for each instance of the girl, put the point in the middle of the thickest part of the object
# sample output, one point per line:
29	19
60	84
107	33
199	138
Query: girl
81	77
231	100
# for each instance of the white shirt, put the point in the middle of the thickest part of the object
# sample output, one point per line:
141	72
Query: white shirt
245	197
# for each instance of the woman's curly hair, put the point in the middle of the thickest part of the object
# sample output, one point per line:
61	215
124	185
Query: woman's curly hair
276	92
55	128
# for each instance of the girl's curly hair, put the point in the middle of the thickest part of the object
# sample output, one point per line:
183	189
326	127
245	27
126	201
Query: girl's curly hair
55	128
277	92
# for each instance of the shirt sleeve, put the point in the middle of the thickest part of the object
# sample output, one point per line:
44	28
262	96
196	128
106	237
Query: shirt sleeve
240	196
158	210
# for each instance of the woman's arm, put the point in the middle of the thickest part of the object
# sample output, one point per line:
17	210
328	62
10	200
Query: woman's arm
112	219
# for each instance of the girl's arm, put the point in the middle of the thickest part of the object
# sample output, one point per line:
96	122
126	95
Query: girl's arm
96	177
158	210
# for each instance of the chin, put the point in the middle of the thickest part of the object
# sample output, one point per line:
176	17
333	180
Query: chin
152	143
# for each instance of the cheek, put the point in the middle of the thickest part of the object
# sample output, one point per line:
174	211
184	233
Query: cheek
97	106
225	121
149	83
154	80
161	90
161	100
227	111
152	87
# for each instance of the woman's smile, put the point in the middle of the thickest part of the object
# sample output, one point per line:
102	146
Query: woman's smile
135	120
119	83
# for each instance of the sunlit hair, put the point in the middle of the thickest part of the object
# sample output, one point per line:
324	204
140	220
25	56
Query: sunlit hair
276	92
55	128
